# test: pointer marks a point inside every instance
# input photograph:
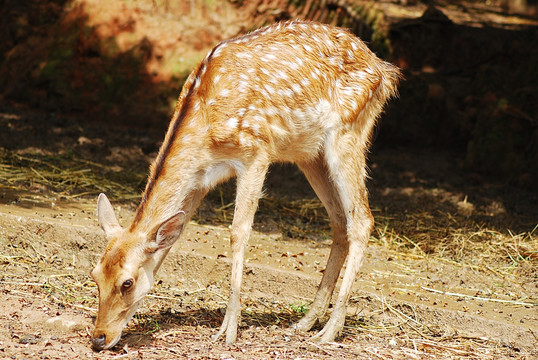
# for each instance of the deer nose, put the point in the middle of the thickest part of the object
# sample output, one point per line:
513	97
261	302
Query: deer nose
98	342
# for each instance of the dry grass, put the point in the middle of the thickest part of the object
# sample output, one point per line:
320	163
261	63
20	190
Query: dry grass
66	176
391	330
464	243
444	235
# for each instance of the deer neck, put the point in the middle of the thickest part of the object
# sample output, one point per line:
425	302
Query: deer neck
181	175
174	180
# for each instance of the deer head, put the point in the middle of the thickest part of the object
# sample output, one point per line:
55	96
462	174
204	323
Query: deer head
125	273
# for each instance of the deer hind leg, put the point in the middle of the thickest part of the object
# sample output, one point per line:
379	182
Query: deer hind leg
344	153
249	188
317	174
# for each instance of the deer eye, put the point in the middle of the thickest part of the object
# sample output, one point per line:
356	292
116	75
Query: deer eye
126	284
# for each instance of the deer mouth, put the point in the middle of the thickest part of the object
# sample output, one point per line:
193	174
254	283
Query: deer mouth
102	342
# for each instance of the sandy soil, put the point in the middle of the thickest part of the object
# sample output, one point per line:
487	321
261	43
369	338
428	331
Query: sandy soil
422	297
49	250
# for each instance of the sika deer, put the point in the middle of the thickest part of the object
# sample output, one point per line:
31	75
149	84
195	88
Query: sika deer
295	91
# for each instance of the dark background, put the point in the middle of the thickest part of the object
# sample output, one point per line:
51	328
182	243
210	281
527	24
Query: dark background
470	89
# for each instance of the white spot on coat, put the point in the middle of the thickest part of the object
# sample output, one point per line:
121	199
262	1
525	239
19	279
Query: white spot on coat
269	88
232	123
281	74
307	47
243	55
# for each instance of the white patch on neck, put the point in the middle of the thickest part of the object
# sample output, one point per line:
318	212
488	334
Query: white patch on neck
220	172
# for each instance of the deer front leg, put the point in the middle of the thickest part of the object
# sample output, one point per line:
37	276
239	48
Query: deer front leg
249	187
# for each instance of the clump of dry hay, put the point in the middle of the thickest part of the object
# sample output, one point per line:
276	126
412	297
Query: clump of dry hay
66	176
462	243
447	236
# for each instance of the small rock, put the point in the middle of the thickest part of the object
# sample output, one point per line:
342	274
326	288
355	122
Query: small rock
63	324
30	339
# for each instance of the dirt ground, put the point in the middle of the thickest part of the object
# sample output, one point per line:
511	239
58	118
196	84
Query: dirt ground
451	270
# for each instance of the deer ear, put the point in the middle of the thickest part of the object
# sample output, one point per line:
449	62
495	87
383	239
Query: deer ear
105	215
168	232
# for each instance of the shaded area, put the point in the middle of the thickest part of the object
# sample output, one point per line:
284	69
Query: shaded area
470	70
470	89
459	146
53	59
